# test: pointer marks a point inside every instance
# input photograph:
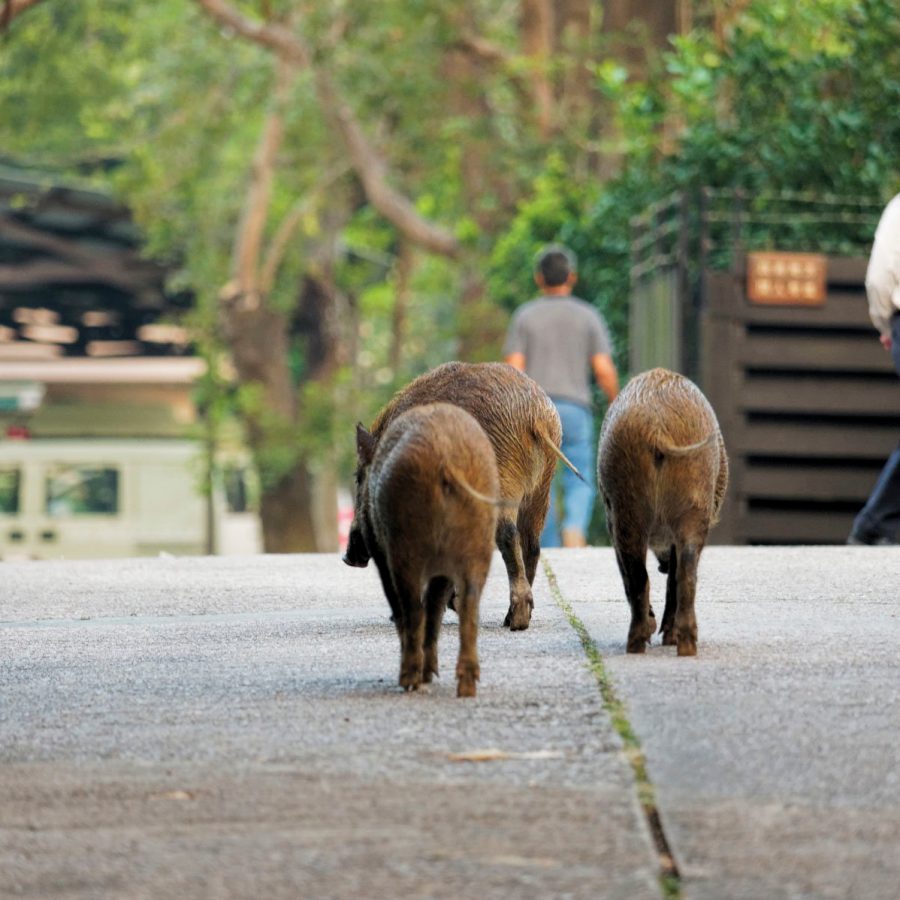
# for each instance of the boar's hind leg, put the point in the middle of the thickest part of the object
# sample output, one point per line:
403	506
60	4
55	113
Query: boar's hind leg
390	592
520	597
412	632
633	566
531	553
685	619
668	620
467	669
436	596
532	514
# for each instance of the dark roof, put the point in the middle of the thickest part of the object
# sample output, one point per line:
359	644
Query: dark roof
72	278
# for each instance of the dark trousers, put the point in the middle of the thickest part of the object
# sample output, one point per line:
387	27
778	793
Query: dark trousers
880	517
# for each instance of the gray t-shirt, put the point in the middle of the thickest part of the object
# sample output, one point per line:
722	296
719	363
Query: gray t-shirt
558	336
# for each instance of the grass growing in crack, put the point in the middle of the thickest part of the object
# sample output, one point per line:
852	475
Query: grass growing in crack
669	879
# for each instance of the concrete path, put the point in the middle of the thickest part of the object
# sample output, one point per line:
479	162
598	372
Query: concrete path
775	753
231	728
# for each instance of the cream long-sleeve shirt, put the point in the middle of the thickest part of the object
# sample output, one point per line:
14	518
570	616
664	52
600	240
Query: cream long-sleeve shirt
883	274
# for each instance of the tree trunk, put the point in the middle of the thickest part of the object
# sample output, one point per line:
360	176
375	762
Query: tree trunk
258	339
285	511
299	511
487	198
578	99
536	28
296	516
402	277
324	336
324	507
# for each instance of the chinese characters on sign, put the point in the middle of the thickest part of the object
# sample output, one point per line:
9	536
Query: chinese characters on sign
786	279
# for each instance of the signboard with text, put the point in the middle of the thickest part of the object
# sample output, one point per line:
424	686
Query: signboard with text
787	279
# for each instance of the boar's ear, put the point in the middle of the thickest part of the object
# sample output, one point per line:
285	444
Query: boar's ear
365	444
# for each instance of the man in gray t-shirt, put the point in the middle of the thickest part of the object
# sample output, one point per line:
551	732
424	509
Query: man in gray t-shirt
559	341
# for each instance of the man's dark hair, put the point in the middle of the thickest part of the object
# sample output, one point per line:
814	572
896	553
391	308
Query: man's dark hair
555	263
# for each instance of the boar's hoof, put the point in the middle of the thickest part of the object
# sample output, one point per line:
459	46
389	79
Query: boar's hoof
466	675
410	677
430	670
519	617
686	639
639	636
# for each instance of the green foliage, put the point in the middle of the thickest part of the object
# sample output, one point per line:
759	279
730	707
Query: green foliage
800	99
63	94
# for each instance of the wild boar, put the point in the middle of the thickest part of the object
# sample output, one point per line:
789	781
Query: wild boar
663	472
524	429
427	512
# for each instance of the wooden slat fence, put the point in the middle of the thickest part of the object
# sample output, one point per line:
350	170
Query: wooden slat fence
809	404
808	400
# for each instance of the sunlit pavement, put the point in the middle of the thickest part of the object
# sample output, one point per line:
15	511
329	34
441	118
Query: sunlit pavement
232	728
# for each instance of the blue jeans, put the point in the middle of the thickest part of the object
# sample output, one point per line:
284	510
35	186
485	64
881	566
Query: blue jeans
880	517
578	496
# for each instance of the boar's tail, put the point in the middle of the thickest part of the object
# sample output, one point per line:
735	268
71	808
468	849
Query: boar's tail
665	449
547	442
454	476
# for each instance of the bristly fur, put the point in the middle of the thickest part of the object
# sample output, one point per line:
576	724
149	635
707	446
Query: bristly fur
432	537
524	429
663	472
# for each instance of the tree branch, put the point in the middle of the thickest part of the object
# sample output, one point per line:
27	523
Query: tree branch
493	55
372	172
369	166
287	227
271	35
483	49
249	237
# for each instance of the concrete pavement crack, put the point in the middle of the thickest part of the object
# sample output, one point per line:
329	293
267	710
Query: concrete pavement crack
669	875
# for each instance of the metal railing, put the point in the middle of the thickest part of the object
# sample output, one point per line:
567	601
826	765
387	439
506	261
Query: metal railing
714	227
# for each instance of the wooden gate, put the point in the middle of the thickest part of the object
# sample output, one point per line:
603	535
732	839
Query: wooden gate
808	400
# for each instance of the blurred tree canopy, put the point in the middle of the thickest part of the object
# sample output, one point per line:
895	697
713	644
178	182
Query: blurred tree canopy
354	192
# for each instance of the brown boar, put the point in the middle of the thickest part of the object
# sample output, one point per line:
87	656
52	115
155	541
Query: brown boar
427	512
524	429
663	472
